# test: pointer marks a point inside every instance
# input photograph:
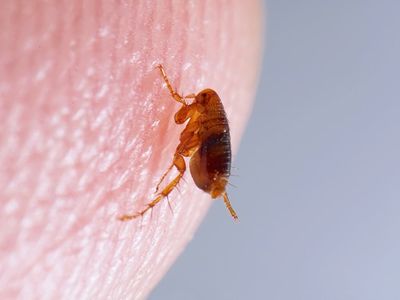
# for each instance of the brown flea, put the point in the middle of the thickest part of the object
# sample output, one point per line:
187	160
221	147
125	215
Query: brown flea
206	140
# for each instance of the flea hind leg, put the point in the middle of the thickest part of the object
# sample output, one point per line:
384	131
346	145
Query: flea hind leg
179	162
188	140
164	175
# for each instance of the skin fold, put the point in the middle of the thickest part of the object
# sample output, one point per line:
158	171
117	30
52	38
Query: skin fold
87	131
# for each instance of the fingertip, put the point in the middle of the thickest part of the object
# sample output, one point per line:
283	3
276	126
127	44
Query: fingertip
95	130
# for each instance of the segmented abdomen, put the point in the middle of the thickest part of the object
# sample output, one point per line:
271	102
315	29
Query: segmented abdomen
215	152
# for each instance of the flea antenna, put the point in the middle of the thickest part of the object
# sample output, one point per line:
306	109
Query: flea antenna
229	207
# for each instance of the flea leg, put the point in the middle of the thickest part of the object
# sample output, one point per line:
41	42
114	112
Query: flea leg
163	177
188	141
174	94
229	206
179	162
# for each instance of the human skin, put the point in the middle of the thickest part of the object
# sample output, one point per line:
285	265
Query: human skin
87	130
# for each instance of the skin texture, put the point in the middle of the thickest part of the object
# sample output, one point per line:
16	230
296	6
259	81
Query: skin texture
87	131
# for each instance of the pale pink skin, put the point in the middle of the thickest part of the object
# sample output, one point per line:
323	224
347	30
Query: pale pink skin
87	130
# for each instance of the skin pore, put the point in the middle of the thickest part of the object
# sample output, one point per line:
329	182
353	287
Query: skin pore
87	131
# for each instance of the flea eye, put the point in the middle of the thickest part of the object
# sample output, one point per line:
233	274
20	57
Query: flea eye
204	97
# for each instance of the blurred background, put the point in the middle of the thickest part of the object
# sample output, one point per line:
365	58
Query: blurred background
319	166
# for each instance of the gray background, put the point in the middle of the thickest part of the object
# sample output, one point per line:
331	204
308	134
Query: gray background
318	193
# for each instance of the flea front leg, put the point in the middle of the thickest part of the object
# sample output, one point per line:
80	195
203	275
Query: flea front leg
173	93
